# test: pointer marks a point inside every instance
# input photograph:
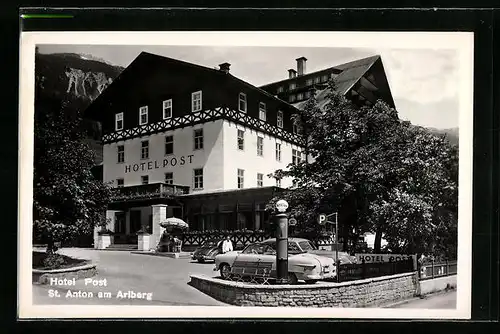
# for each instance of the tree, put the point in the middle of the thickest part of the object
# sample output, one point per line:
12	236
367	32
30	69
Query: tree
381	174
68	200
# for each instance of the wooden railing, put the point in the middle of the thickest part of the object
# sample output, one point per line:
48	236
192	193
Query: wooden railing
149	191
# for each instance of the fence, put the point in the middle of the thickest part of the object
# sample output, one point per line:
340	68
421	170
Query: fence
430	270
351	272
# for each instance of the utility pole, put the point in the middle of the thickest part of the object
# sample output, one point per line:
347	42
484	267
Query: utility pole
282	243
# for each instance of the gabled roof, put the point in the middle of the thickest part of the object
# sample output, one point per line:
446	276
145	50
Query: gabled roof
150	58
344	81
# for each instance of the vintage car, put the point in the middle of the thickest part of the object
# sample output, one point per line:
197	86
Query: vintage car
301	265
208	250
299	245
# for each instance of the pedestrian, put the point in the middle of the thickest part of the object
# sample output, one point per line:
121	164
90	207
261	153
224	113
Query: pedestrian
227	245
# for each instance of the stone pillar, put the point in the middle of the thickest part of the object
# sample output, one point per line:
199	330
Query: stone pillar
159	214
98	244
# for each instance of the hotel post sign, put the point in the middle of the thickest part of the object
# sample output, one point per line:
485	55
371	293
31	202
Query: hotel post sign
156	164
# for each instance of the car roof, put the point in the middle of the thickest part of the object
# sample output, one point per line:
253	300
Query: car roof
289	239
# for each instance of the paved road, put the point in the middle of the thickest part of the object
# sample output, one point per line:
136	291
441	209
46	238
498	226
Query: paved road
165	278
446	300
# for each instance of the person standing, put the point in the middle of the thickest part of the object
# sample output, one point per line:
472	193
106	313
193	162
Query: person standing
227	245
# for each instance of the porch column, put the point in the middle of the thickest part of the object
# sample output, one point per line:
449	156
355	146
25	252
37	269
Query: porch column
159	212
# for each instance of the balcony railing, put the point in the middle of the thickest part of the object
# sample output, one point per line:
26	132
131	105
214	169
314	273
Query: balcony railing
149	191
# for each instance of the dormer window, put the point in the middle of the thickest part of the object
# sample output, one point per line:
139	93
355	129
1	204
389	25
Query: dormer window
242	102
196	102
167	109
300	96
324	78
317	80
279	119
143	115
280	89
293	85
119	121
291	98
309	82
262	111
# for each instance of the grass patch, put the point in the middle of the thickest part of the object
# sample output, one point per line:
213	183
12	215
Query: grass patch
43	261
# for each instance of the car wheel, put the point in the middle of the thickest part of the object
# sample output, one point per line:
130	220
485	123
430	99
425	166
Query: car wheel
225	271
292	279
311	281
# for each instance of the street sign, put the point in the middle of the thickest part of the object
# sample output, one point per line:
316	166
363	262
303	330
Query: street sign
322	219
282	205
292	221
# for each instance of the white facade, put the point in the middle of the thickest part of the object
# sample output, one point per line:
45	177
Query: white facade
220	158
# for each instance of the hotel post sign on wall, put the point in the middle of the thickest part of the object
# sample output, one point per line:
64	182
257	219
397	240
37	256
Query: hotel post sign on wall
156	164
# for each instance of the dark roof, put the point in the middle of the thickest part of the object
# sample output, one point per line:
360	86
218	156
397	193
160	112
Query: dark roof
145	57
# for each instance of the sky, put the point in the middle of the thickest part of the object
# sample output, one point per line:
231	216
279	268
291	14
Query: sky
424	82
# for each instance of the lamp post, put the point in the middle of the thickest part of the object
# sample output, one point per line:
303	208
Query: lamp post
282	243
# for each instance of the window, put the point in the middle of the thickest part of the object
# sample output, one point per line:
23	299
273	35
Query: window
196	101
145	149
242	102
293	86
119	183
167	109
241	178
324	78
121	153
307	94
296	128
317	80
198	139
279	119
169	178
278	151
145	179
119	121
300	96
291	98
260	180
169	145
143	115
260	146
309	82
241	139
278	183
280	89
198	178
262	111
296	156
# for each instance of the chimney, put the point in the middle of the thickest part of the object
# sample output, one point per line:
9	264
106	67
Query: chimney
301	65
224	67
292	73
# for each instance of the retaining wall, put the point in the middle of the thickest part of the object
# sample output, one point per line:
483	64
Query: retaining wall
362	293
438	284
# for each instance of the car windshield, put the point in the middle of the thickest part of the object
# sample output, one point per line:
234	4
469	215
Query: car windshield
259	249
306	246
293	248
210	243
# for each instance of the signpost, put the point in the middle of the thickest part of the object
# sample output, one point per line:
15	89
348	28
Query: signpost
282	243
292	222
322	220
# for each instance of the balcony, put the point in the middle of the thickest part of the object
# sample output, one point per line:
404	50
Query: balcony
148	192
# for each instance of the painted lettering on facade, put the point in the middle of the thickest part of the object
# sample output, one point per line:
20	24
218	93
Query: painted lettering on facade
156	164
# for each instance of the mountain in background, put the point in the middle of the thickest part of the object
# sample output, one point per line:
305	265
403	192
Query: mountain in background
79	79
451	134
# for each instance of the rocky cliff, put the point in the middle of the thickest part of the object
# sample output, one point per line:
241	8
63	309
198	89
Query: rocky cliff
76	78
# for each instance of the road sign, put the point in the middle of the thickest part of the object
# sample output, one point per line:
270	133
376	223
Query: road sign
292	221
322	219
282	205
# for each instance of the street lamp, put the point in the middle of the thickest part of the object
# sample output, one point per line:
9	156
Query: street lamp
282	243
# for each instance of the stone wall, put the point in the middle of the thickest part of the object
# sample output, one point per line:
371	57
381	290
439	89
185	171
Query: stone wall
44	276
371	292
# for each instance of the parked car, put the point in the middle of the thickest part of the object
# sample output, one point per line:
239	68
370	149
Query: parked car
301	265
300	245
208	251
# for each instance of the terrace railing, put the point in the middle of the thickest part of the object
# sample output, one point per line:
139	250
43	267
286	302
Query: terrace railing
351	272
431	269
148	191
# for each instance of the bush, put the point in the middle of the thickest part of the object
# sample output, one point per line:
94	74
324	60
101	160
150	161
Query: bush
54	261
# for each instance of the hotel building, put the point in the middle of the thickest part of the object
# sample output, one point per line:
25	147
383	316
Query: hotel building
187	141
